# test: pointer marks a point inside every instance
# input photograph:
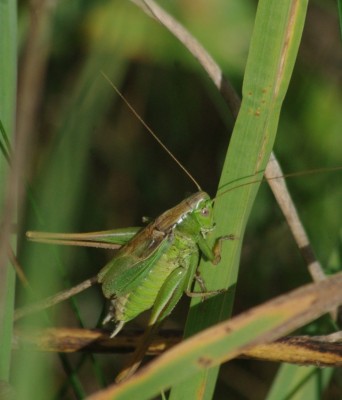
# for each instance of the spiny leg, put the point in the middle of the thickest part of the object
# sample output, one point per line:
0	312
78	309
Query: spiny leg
218	247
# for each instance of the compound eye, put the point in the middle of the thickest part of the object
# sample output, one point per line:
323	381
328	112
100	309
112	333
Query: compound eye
205	212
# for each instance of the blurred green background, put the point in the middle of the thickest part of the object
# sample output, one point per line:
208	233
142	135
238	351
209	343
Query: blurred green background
93	166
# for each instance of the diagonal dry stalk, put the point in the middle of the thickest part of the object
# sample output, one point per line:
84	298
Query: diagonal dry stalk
54	299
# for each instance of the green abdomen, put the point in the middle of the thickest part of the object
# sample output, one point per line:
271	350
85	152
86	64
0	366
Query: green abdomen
143	297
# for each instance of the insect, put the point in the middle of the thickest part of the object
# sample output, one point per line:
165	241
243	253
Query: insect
156	264
159	264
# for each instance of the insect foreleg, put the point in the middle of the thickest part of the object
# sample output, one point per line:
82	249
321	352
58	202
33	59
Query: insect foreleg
213	254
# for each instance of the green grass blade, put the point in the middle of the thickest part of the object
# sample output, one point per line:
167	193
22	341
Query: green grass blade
299	383
8	68
339	5
277	32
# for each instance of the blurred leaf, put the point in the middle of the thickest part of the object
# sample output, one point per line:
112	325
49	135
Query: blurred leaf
8	69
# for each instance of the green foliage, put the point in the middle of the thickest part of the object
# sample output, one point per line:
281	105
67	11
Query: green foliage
8	66
94	167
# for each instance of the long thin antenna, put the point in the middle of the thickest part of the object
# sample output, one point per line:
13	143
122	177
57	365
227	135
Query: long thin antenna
290	175
150	131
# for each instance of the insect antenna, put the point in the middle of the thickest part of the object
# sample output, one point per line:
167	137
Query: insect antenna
151	131
290	175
